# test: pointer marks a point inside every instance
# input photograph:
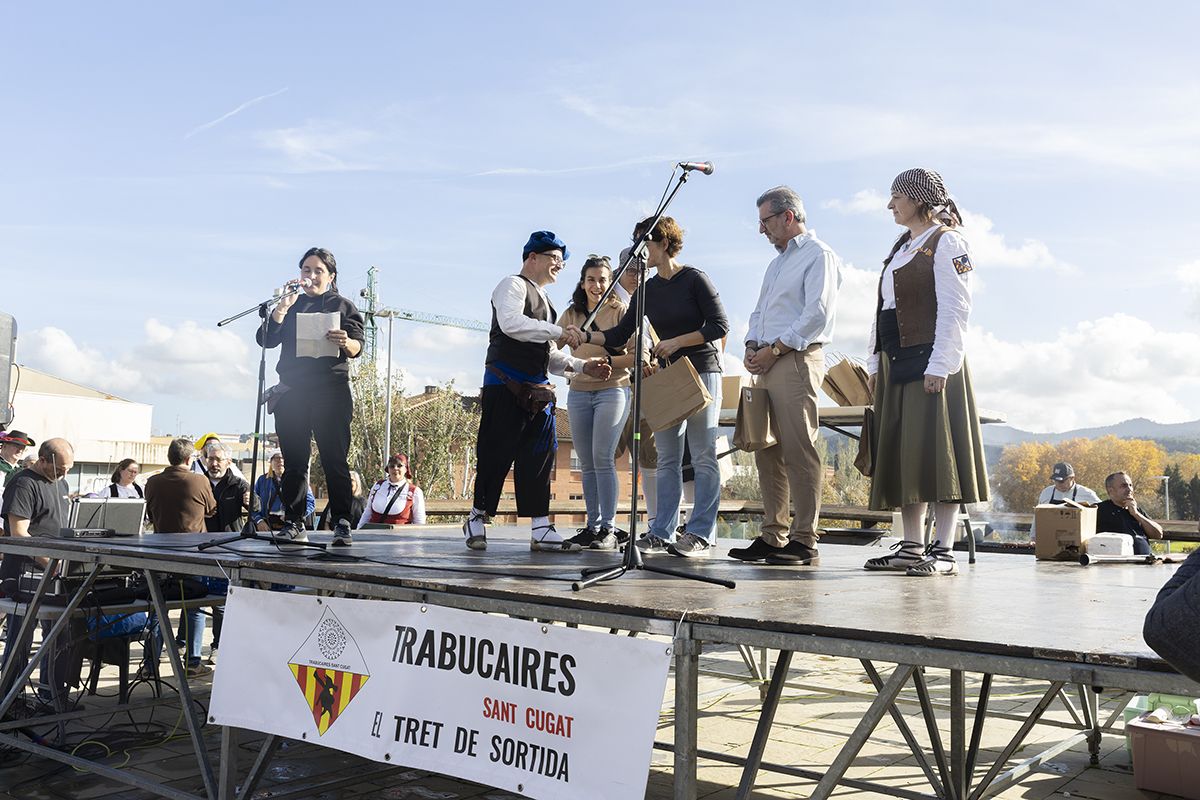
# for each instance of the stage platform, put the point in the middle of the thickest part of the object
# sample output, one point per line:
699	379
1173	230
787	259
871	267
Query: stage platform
1069	625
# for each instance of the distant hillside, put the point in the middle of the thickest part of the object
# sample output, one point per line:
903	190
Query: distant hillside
1175	436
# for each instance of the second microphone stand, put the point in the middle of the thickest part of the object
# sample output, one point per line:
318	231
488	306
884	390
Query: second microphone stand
632	559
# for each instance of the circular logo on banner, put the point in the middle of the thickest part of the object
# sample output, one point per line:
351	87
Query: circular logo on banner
331	638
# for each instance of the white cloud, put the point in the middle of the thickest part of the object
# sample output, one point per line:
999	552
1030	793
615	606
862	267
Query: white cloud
251	102
319	146
864	201
1098	372
179	361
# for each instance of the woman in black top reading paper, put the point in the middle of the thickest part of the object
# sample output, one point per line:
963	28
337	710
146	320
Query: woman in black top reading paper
683	306
313	395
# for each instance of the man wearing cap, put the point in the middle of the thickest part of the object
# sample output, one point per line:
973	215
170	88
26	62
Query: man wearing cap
516	424
1062	488
12	447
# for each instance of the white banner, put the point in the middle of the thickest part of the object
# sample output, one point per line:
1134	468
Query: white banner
541	710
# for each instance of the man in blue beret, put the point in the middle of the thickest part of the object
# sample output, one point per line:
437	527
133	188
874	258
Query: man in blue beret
516	426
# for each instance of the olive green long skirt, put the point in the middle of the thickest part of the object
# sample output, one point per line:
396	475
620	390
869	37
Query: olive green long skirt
928	447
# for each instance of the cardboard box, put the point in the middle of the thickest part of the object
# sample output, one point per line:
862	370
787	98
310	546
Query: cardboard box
1062	530
1166	758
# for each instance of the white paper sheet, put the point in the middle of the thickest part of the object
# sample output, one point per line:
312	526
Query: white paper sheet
310	334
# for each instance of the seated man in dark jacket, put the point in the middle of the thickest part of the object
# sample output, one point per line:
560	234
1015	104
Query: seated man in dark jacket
232	493
1120	514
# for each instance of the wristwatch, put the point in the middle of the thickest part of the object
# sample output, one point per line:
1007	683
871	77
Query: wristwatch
775	349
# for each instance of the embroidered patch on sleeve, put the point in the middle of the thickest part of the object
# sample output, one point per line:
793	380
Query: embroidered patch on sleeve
962	264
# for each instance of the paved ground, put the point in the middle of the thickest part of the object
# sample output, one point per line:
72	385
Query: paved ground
813	721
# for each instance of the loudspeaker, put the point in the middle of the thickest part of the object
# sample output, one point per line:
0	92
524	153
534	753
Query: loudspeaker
8	353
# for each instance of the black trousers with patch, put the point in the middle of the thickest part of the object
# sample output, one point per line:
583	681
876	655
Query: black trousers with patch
323	413
510	437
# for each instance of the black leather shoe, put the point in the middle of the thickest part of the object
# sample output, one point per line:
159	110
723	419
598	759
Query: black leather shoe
794	555
757	551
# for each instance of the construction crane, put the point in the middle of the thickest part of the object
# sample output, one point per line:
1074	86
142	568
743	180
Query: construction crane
433	319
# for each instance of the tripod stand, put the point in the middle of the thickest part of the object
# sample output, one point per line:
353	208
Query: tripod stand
632	558
248	531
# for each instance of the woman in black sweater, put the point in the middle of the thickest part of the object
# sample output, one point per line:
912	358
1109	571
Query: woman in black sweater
683	306
313	395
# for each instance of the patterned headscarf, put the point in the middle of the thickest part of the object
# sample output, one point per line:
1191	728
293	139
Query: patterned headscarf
926	186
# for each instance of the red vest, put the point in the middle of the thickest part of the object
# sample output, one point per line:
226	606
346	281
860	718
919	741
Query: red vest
394	517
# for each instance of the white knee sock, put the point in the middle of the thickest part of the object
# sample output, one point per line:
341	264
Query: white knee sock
945	523
914	524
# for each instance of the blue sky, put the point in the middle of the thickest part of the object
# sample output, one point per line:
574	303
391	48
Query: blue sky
166	166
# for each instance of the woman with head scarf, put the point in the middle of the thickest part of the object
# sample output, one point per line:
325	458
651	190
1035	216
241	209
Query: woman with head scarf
929	449
395	500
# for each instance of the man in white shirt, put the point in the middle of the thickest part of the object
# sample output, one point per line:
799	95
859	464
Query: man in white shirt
1063	487
516	423
793	319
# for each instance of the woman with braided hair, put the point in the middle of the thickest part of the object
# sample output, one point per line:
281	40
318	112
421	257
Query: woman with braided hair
929	449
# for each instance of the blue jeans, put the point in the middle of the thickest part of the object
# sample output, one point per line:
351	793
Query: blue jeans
701	432
191	632
597	419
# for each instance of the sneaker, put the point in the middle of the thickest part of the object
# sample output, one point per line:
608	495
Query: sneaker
794	554
757	551
146	673
341	534
938	560
651	544
690	546
545	538
904	555
607	539
291	532
197	670
475	531
584	538
622	536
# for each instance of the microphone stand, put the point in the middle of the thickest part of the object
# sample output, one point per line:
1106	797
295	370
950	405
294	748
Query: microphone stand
249	531
632	558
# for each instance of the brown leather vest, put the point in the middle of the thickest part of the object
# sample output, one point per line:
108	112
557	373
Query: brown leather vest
916	297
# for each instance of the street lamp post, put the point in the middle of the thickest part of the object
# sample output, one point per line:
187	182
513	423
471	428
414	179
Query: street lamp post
1166	479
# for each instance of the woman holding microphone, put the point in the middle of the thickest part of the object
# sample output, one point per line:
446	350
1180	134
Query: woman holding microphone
313	397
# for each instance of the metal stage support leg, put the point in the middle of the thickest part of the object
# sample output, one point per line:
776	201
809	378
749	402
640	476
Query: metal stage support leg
185	691
265	754
766	718
981	705
958	735
1070	706
879	707
1091	718
906	731
687	699
931	727
986	786
25	636
228	768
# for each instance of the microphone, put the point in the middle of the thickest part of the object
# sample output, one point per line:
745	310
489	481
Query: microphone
301	282
702	166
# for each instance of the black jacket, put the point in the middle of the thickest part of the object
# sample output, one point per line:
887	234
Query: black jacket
230	494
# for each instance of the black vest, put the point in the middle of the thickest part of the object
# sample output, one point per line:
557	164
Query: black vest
530	358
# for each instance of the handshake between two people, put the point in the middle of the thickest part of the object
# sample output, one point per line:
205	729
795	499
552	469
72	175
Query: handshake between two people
573	337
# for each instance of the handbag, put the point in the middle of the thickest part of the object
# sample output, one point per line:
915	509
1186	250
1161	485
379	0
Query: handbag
864	462
671	395
531	397
753	429
846	384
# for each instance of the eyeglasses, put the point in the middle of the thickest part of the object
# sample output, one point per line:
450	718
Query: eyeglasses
762	221
554	258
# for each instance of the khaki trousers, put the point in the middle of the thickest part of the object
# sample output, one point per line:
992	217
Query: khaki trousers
792	469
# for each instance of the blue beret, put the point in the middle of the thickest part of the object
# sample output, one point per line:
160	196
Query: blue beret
544	241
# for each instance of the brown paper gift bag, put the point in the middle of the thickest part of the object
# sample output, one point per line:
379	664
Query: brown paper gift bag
753	428
865	460
671	395
846	384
